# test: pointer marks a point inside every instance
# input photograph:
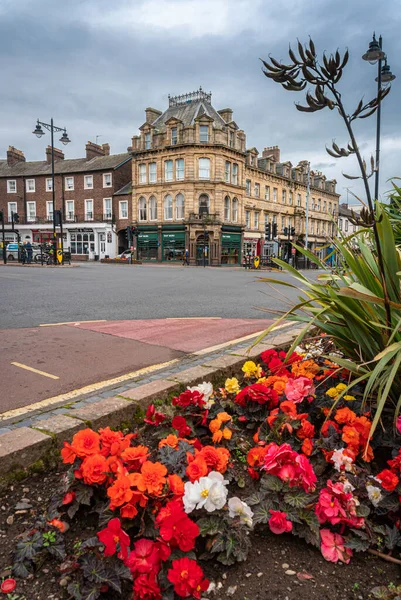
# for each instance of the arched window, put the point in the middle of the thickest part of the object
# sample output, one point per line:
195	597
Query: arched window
168	208
235	210
179	206
142	208
152	208
227	208
204	168
204	204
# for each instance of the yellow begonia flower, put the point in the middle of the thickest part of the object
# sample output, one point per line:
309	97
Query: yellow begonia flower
232	385
251	369
332	392
341	387
349	398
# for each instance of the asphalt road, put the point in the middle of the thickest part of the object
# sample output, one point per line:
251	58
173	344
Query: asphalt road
32	296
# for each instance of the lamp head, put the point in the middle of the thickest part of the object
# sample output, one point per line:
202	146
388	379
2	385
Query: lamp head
374	52
38	130
64	138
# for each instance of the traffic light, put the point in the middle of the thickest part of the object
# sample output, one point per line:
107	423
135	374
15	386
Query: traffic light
268	231
274	230
16	217
1	216
292	230
57	218
285	231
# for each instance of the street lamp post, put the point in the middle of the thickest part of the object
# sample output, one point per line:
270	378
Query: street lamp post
384	77
64	140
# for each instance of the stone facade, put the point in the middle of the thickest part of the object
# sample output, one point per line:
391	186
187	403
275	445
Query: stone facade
196	186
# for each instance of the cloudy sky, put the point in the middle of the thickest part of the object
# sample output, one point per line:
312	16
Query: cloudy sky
94	65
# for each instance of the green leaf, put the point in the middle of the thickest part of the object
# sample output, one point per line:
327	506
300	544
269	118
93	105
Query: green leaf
357	544
261	514
297	499
255	498
272	483
84	494
392	537
362	510
209	526
74	590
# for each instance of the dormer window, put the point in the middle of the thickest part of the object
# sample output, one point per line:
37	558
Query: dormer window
231	139
204	134
174	136
147	141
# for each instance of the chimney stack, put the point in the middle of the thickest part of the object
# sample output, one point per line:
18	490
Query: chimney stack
58	154
226	114
151	114
14	156
93	150
272	152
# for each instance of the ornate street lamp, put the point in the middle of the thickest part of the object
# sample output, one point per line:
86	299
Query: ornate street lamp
374	55
64	140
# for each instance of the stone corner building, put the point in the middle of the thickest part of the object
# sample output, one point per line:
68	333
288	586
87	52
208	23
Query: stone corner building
196	186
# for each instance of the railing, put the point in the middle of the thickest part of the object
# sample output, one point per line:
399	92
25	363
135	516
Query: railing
67	218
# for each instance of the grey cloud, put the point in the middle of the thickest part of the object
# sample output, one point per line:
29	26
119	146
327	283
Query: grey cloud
62	60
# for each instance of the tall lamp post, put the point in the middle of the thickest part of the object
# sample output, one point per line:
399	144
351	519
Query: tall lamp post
64	140
375	55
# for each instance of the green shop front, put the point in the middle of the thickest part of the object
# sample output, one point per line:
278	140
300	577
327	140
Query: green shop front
148	244
173	243
230	246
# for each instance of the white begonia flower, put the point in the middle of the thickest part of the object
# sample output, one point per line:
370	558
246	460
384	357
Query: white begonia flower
237	508
205	388
339	460
374	494
209	493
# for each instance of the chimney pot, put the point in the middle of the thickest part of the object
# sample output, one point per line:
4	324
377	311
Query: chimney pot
14	156
58	154
93	150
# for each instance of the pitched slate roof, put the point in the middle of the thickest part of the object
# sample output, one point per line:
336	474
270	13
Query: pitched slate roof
127	189
69	165
188	112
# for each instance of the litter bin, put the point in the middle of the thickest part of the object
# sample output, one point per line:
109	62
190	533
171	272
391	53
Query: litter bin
96	257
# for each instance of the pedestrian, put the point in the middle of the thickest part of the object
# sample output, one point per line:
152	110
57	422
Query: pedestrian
186	258
23	254
29	252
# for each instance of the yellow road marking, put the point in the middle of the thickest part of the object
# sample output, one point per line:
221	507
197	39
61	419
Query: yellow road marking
94	387
72	323
17	364
237	341
193	318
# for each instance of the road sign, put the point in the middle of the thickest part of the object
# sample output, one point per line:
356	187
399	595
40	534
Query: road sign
256	262
293	251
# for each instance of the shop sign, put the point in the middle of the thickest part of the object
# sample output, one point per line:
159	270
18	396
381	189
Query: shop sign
179	235
82	230
147	236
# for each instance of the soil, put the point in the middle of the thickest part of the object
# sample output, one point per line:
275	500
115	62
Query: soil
277	568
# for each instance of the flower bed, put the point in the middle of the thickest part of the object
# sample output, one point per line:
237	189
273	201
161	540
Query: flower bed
190	484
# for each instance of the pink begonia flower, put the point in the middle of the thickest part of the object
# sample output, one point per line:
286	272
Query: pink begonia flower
332	547
297	389
398	424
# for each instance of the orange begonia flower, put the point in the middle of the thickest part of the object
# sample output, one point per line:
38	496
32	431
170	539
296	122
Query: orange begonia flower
307	446
129	511
68	454
120	492
345	415
197	469
171	440
94	469
214	425
223	417
176	485
256	456
227	433
217	436
224	456
85	443
350	435
151	479
289	408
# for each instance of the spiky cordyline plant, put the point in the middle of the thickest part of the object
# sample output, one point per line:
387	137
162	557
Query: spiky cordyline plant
304	70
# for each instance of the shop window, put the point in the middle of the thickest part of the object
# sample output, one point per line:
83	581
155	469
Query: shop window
82	243
152	208
204	204
179	206
235	210
142	208
168	207
227	208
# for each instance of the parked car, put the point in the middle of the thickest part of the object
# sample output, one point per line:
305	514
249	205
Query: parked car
12	250
124	255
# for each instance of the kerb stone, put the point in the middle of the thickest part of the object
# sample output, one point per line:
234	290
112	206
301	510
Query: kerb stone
194	375
108	412
151	391
22	447
63	428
